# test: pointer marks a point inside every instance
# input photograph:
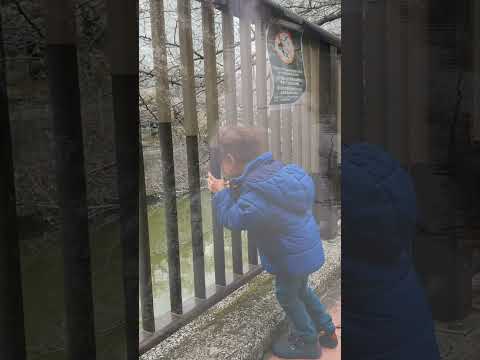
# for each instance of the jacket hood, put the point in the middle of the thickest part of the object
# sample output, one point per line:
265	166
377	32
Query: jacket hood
287	186
378	204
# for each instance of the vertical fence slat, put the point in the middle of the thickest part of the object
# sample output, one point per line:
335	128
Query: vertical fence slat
287	134
396	81
261	74
66	110
315	99
418	82
476	74
12	333
231	111
191	129
306	108
334	123
145	280
123	27
334	102
374	25
166	150
252	251
247	92
339	110
352	78
327	141
297	133
229	82
246	64
275	131
210	66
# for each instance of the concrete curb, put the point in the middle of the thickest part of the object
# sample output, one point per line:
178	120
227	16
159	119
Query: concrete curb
242	326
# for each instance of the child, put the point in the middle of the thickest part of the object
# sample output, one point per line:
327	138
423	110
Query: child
385	315
273	201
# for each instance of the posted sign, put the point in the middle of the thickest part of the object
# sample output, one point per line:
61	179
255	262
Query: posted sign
286	60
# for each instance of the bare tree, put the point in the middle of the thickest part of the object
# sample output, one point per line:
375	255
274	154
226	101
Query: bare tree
322	12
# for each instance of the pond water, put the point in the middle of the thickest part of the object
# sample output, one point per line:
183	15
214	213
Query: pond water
158	251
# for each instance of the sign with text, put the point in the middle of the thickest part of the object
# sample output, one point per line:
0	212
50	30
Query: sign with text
286	61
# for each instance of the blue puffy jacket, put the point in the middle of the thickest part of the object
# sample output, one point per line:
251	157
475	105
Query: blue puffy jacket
274	201
385	314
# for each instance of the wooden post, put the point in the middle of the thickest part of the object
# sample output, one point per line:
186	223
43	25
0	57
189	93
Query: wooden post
352	72
123	41
166	150
12	332
246	63
396	114
375	75
145	280
210	66
72	192
191	130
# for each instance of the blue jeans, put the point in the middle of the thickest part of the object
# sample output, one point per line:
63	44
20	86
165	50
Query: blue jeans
303	307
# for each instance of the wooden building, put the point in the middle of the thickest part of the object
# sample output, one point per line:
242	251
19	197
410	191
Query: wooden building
410	82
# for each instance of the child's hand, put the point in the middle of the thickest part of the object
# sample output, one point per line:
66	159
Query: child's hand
215	185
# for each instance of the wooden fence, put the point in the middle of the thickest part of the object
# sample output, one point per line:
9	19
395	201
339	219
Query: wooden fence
305	133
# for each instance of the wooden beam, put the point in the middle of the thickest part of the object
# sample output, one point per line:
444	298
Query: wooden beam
157	15
191	129
64	90
12	331
124	57
476	62
374	51
353	111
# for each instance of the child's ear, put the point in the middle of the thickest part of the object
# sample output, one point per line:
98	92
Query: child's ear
228	164
230	160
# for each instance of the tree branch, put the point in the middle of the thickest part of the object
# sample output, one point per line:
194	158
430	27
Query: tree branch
28	20
329	18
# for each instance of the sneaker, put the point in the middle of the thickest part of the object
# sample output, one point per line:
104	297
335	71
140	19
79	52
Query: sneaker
326	340
294	347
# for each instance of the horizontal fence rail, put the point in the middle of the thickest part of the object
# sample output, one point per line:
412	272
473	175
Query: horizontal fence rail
293	131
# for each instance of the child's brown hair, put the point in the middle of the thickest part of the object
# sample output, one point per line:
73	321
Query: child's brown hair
243	143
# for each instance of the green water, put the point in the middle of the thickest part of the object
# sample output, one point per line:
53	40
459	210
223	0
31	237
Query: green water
42	268
158	251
